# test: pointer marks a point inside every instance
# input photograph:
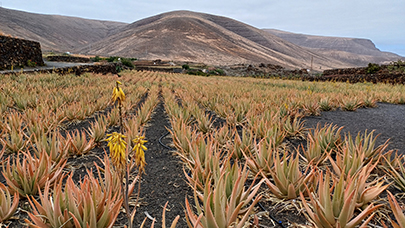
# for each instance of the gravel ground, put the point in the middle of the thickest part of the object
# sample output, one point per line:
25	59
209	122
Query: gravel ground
388	120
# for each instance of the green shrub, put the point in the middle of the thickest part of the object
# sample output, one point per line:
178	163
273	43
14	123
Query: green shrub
220	72
198	72
97	59
112	59
398	66
185	67
127	62
118	68
31	63
372	68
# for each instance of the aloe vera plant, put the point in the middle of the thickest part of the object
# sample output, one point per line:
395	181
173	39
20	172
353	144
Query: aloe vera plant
133	128
328	137
79	144
204	162
222	135
288	179
366	144
55	145
397	210
222	206
396	170
15	141
242	144
325	104
8	203
294	127
260	159
334	206
351	104
347	162
84	205
182	135
31	174
98	129
367	191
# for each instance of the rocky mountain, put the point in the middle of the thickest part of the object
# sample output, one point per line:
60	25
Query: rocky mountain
214	40
191	37
55	32
352	50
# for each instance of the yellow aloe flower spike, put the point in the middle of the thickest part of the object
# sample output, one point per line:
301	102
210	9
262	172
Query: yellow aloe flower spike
117	146
139	149
118	94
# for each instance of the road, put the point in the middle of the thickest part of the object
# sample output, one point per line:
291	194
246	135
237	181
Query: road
48	66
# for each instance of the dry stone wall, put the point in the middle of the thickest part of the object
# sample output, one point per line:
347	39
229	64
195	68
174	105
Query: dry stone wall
391	78
19	52
72	59
345	71
393	74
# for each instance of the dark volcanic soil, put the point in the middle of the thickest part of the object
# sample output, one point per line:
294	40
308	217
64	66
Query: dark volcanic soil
164	180
388	120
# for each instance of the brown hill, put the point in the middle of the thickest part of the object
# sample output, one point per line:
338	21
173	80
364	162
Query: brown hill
54	32
356	51
214	40
190	36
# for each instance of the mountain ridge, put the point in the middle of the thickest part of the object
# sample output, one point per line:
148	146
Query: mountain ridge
340	47
189	36
199	37
55	32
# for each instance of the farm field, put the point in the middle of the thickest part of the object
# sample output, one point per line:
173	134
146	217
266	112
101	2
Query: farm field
221	151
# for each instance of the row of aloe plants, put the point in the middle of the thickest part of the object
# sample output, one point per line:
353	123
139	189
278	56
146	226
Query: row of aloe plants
40	168
220	161
327	164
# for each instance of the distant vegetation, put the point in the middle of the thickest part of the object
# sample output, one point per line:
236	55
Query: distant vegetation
398	66
393	67
125	61
96	59
372	68
200	72
31	63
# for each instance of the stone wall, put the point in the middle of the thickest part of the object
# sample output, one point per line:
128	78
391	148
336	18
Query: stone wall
262	70
392	78
345	71
62	58
19	52
393	74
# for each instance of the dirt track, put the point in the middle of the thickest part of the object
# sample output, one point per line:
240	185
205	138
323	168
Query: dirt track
48	66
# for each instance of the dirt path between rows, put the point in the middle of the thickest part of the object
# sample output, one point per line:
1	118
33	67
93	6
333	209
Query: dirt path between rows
164	180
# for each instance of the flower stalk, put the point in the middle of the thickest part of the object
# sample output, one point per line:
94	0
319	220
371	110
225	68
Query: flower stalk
119	156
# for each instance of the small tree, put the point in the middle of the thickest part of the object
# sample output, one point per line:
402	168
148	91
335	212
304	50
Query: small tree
97	59
185	67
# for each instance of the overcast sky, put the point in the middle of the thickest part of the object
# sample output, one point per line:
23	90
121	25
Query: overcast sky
382	21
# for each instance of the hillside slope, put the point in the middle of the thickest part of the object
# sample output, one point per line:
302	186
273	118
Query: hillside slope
215	40
352	50
191	36
55	32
